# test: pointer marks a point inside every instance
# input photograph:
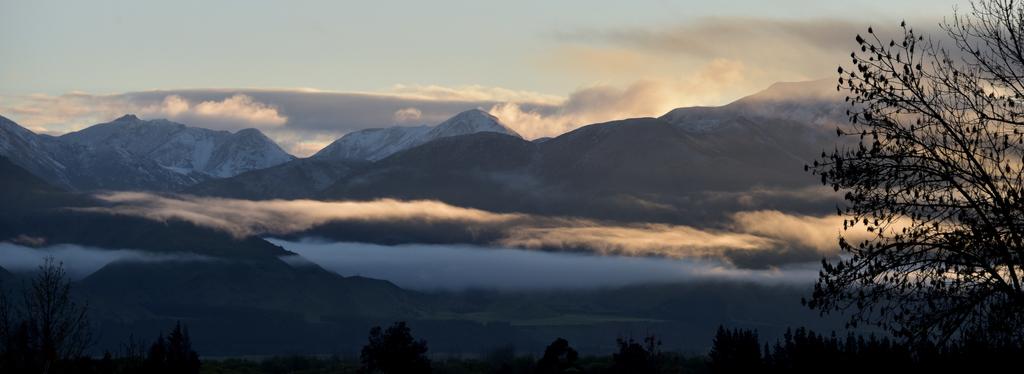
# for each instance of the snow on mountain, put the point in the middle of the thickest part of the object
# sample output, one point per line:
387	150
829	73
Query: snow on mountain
184	149
31	151
814	103
133	154
376	144
77	167
244	151
469	122
373	144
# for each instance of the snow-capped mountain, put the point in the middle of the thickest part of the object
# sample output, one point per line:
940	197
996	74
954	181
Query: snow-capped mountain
373	144
31	151
376	144
77	167
133	154
184	149
469	122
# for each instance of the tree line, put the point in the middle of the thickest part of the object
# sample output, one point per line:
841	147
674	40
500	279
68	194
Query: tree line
47	331
396	350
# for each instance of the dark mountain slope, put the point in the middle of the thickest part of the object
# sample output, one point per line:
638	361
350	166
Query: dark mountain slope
301	178
33	209
174	288
21	191
649	155
686	166
32	152
5	276
201	275
486	170
643	169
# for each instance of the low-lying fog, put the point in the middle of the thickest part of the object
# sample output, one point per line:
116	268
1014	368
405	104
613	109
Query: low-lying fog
442	267
79	261
459	267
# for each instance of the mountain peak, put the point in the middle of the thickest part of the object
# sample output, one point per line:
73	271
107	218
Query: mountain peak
376	144
468	122
181	149
250	132
811	102
475	113
127	118
816	90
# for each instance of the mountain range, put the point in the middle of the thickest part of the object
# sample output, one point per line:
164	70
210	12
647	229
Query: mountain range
471	159
666	169
375	144
240	296
133	154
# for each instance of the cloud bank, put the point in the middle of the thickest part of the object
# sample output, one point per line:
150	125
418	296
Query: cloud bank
305	121
246	217
753	239
236	112
713	83
80	261
302	121
461	267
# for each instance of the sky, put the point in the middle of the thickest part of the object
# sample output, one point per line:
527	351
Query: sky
307	72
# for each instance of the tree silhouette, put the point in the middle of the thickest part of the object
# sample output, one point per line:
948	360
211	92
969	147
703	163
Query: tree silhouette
636	357
47	328
735	351
558	357
174	354
935	179
395	351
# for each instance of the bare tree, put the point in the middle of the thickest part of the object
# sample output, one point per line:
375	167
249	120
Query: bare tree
60	324
48	327
936	177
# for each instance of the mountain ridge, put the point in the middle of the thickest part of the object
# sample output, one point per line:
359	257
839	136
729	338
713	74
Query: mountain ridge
379	143
182	148
134	154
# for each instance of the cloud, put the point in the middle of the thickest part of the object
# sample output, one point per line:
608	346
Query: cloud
302	121
245	217
74	111
635	240
473	93
60	114
623	72
752	239
773	48
647	71
719	36
232	113
755	239
644	98
406	115
819	233
80	261
461	267
299	143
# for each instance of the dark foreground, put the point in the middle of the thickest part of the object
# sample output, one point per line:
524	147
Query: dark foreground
396	350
